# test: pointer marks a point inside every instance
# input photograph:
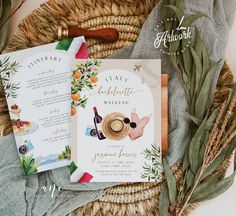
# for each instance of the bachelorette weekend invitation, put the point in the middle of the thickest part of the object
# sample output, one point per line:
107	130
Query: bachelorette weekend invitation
37	87
116	121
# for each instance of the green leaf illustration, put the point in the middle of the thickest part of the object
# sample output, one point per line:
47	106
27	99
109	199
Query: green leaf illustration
28	165
84	76
7	70
152	169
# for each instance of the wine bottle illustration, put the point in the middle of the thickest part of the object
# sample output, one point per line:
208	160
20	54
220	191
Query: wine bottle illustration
98	124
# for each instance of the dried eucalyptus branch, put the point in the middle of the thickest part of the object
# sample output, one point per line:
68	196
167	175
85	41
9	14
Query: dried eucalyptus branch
214	147
12	13
213	136
5	15
224	136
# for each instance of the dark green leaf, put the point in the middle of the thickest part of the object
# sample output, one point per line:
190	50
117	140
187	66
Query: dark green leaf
164	201
213	190
203	149
195	120
170	182
198	67
198	44
185	160
184	74
192	95
169	13
189	20
205	185
201	51
212	118
1	5
174	46
168	26
206	62
190	178
179	4
179	12
203	97
195	145
234	160
14	3
187	59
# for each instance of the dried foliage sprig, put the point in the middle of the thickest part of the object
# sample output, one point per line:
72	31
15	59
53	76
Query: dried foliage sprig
204	190
5	15
212	135
224	135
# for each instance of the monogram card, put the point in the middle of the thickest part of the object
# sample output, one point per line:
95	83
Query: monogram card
116	121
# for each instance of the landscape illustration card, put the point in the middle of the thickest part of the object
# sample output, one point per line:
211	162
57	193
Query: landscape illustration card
116	120
37	88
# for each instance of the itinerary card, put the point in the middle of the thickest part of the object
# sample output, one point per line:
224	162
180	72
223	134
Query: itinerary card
37	87
116	121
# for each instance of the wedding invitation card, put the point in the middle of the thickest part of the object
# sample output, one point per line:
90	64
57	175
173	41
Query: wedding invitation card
116	121
37	87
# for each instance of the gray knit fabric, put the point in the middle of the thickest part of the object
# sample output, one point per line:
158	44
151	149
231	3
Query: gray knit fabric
24	195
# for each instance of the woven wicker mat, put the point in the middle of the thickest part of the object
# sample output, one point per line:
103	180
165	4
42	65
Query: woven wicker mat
127	17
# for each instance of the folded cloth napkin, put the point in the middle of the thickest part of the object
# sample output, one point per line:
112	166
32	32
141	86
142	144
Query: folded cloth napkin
26	195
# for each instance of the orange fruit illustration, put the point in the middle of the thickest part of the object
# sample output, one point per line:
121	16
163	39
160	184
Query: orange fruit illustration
73	111
94	79
75	96
77	75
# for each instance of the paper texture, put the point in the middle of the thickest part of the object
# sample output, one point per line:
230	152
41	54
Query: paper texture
116	122
37	87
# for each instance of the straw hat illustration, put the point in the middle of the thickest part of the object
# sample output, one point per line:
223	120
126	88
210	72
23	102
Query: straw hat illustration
116	126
